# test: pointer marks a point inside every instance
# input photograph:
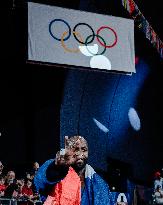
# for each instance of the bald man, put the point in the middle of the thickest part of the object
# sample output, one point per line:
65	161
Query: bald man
68	179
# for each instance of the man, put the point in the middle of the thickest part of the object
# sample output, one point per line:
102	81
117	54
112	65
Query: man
69	180
158	180
158	195
35	167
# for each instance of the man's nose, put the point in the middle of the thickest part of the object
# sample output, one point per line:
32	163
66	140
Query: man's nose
80	154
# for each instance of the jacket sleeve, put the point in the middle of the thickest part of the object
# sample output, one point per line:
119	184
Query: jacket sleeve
48	175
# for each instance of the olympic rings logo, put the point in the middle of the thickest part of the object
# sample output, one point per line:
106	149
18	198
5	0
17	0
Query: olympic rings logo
66	35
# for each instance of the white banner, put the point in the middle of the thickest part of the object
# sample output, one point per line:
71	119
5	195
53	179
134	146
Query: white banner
77	38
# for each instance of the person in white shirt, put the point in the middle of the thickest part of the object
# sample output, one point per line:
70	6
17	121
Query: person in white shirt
158	195
158	181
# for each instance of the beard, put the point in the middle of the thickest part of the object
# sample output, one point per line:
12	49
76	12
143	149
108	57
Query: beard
79	165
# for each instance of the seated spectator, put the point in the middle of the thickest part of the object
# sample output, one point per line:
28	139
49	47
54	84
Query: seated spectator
2	186
158	195
20	183
31	174
12	190
27	189
12	186
28	195
35	167
158	181
10	177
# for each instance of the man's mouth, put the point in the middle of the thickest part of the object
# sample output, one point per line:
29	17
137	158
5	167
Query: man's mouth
80	161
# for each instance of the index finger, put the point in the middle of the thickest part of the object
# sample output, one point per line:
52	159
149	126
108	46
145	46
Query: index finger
66	142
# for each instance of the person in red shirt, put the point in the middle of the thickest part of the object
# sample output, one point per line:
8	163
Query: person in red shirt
27	189
2	186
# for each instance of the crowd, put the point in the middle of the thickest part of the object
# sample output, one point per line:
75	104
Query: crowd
25	192
20	189
158	187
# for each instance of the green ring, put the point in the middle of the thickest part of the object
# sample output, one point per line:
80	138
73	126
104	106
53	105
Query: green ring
86	43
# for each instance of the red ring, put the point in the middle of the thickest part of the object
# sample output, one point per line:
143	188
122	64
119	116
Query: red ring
109	46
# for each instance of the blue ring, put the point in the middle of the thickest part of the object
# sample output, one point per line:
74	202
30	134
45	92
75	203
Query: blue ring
58	39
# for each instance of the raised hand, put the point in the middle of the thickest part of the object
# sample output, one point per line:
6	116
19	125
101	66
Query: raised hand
66	156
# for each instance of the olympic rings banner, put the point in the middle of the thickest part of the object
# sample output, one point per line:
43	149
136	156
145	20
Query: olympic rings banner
78	38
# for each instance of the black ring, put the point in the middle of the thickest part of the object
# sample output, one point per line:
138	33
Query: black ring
93	35
102	40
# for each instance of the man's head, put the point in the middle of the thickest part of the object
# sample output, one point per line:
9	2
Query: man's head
11	174
77	149
36	166
157	175
2	180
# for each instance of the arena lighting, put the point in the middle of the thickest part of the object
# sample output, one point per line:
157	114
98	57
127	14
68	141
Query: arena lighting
134	119
101	126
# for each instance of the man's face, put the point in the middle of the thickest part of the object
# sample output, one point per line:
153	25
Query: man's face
36	166
11	175
2	181
79	152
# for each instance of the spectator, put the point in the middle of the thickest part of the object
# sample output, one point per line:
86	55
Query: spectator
35	167
158	195
10	177
28	194
158	180
30	174
2	186
20	183
27	189
12	191
11	185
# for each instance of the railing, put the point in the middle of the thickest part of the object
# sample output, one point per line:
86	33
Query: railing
6	201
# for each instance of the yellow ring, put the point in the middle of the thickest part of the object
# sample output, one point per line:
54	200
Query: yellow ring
68	49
